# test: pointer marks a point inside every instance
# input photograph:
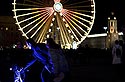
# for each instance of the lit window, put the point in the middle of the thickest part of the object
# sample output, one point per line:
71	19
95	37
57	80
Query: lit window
6	28
1	28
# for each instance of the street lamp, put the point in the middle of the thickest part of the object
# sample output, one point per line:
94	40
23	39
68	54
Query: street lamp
105	28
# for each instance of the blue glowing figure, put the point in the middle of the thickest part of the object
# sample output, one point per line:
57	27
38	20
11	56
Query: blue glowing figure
19	74
40	53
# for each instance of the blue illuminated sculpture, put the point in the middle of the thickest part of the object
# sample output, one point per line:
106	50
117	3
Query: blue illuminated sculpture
41	54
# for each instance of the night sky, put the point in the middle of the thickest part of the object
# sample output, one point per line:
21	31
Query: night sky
103	11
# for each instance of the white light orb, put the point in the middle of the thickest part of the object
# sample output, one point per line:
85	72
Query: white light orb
58	7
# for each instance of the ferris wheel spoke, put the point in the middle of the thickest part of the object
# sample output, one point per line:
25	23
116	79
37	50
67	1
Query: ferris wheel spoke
50	14
71	23
67	34
71	30
77	3
23	27
42	12
45	19
77	21
29	18
63	29
28	5
74	22
41	24
27	9
76	7
64	1
81	11
73	15
33	21
45	16
44	30
76	16
42	15
35	2
26	14
65	12
57	1
89	16
62	36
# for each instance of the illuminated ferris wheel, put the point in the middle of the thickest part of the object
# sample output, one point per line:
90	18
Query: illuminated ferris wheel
66	21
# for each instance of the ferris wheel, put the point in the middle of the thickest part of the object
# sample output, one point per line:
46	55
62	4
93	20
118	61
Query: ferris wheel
66	21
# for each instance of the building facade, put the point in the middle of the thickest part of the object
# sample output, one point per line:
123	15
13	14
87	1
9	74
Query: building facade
105	40
9	33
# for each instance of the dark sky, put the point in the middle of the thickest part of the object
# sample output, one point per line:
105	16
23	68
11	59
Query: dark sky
103	11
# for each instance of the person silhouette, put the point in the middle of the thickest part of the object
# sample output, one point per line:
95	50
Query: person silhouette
61	67
123	53
116	59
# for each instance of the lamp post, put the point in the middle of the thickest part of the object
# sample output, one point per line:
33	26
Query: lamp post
105	28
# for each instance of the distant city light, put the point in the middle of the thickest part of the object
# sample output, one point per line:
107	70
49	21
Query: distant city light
74	45
51	24
47	36
49	30
53	19
105	28
55	13
6	28
114	17
11	69
101	35
58	28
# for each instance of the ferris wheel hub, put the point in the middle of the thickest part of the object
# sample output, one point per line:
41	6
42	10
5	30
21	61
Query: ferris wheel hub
58	7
